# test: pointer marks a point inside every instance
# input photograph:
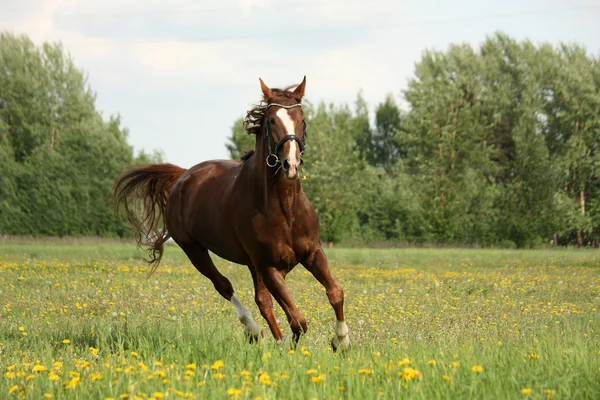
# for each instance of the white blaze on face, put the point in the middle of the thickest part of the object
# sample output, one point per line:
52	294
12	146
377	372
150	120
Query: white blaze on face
245	317
288	124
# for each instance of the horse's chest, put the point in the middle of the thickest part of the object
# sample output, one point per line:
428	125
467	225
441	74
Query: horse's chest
280	247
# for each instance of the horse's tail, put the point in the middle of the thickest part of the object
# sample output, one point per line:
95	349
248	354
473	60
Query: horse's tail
141	201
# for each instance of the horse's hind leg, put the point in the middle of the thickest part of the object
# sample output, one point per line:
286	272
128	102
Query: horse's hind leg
199	256
317	264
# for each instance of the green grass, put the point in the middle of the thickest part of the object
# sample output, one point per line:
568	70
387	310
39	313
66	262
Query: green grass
529	319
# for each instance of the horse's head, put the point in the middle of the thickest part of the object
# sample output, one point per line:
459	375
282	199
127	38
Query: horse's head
284	128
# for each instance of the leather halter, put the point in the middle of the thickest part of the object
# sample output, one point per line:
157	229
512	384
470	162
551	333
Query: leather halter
273	157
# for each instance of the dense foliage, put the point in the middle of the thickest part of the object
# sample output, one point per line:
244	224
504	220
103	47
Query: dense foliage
500	146
58	157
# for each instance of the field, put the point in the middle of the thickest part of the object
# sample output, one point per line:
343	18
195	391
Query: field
81	320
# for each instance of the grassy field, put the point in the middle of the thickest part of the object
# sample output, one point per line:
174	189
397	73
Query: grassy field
81	321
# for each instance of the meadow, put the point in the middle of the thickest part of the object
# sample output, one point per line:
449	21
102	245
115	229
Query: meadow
82	321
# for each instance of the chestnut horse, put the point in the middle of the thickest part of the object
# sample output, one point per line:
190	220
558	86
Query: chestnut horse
252	212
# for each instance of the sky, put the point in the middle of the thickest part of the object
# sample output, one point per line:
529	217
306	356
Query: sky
180	72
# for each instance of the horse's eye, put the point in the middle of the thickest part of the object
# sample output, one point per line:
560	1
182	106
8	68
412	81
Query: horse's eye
272	120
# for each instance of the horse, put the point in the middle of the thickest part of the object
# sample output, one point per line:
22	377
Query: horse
251	212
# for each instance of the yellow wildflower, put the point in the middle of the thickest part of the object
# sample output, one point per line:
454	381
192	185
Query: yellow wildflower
526	391
13	389
431	362
73	383
159	395
219	376
66	341
477	368
404	362
264	379
48	395
217	365
409	373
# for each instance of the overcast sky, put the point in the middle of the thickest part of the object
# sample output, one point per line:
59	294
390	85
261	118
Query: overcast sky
180	72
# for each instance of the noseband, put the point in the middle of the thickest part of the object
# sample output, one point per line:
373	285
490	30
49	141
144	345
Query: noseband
273	157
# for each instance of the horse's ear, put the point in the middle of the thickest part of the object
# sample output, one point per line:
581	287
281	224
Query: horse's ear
299	91
266	91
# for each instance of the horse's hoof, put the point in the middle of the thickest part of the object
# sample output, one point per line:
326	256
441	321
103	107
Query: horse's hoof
341	344
256	338
287	341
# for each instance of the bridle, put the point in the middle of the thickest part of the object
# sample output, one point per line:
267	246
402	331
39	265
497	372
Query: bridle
273	157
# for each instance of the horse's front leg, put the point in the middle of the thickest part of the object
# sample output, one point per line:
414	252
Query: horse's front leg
275	282
317	264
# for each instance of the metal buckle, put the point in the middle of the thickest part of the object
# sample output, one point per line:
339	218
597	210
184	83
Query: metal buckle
271	157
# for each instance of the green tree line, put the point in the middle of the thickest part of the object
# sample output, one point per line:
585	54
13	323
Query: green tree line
499	146
58	158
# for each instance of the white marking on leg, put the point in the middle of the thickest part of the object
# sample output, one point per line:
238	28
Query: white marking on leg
245	317
342	337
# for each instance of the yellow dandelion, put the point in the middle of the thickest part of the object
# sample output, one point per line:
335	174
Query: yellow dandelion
219	376
48	395
317	379
404	362
446	378
311	372
365	371
217	365
431	362
201	383
455	364
73	383
53	377
526	391
58	364
264	379
66	341
13	389
191	366
409	374
234	392
477	368
159	395
94	351
39	368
